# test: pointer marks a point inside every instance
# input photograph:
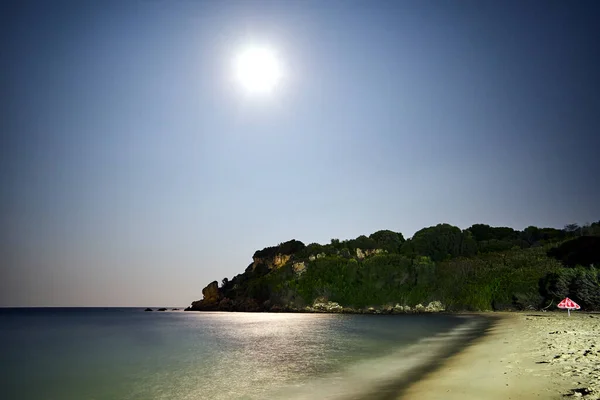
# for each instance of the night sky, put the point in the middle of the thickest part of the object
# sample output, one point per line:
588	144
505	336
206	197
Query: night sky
134	171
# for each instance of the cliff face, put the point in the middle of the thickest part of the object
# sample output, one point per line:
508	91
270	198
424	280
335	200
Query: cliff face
231	298
276	261
360	254
211	298
249	292
214	300
376	272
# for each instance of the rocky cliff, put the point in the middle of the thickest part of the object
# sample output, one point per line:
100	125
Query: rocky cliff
248	291
480	268
211	298
239	294
277	261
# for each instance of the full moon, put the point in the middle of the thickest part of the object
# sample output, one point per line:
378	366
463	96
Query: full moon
258	70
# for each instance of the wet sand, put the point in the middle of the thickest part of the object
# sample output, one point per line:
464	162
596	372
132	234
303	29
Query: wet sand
530	355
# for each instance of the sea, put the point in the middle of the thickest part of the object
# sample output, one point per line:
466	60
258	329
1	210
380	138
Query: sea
127	353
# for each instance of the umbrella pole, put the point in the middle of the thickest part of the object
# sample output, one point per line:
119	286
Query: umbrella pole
569	311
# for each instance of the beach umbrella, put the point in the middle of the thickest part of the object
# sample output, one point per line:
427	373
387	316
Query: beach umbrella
568	304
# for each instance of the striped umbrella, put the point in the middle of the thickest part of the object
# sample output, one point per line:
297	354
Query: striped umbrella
568	304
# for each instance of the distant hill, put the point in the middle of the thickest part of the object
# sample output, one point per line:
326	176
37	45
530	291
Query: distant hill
479	268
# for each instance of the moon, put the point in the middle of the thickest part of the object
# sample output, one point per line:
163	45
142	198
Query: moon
258	70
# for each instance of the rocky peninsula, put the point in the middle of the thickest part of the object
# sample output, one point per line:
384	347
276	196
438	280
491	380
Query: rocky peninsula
441	268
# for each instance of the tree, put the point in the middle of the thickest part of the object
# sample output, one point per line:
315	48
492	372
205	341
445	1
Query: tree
591	229
335	243
388	240
287	248
594	229
551	234
531	235
572	229
481	232
468	245
291	247
439	242
361	242
583	250
408	249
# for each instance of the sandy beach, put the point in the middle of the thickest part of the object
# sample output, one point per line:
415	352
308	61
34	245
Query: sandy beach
531	355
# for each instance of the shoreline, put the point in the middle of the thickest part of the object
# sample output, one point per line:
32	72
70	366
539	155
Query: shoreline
516	355
388	375
524	355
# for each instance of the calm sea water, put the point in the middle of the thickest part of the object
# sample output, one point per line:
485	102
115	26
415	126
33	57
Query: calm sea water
99	354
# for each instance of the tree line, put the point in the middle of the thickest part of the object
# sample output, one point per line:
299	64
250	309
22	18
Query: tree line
478	268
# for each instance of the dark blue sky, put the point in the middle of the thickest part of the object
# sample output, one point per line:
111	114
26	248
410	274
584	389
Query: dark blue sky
134	171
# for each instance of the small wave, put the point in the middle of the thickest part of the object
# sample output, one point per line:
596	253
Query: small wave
385	377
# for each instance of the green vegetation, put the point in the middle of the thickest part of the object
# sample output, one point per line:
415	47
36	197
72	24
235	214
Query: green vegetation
479	268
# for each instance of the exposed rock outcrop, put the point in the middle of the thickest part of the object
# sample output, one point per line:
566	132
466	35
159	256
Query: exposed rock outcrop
225	305
299	267
277	261
321	304
247	305
211	292
211	298
361	254
316	257
419	308
277	256
329	306
399	309
435	306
